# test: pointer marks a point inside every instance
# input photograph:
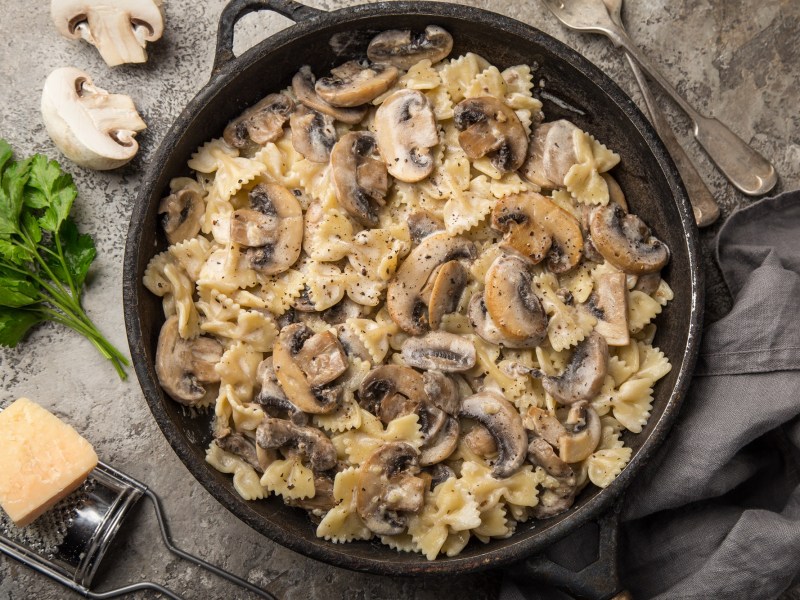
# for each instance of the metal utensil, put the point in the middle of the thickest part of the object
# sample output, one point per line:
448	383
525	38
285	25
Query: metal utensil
746	169
704	206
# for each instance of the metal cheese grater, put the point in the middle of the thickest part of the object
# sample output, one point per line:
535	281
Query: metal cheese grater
70	540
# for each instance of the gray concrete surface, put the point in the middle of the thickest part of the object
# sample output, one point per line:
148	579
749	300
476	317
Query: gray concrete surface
738	60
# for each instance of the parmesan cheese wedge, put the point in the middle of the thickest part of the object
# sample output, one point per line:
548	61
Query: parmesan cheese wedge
42	460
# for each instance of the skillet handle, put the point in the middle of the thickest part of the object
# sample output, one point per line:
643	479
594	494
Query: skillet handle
236	9
596	581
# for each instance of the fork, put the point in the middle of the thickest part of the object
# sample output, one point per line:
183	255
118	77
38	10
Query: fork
746	169
704	206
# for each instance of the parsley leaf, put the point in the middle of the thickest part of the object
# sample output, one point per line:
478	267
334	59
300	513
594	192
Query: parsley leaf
79	252
56	188
15	323
17	291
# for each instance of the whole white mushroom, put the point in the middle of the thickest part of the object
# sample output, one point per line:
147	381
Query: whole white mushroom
91	127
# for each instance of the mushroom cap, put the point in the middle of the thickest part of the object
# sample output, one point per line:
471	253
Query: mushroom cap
446	287
406	130
405	48
583	433
439	350
261	123
551	154
91	127
387	489
502	420
511	302
308	442
276	203
181	215
183	366
491	128
608	303
313	133
360	180
386	381
585	373
303	87
625	241
485	327
119	29
354	84
403	298
442	391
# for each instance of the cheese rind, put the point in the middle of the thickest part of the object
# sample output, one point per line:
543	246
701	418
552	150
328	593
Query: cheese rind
42	460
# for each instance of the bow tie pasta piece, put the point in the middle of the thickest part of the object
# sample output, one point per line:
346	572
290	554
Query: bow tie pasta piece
230	170
246	481
583	179
342	523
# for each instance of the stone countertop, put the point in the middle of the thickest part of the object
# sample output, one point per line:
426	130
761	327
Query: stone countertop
737	60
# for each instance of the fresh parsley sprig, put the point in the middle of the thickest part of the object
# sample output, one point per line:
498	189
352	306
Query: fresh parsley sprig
44	260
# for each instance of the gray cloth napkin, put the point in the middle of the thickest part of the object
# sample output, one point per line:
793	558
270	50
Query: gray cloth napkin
716	513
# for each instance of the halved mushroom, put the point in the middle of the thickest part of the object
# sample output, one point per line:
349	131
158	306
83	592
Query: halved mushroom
511	302
359	176
119	29
272	228
181	214
405	48
583	433
439	350
491	128
403	298
625	241
446	288
91	127
551	154
313	133
406	130
440	446
261	123
237	444
310	443
502	420
422	223
442	391
272	398
303	87
584	375
536	227
608	303
354	84
553	500
183	366
296	367
387	490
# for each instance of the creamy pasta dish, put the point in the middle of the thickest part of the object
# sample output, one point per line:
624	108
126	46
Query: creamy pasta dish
418	310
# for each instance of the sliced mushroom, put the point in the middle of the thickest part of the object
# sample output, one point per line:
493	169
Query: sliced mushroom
343	310
544	425
537	228
183	366
403	299
237	444
625	241
119	29
351	344
584	375
313	133
648	283
303	87
442	391
511	302
484	326
491	128
275	218
480	441
315	399
359	176
322	359
437	474
503	421
440	446
309	442
91	127
583	433
261	123
441	351
388	491
181	214
608	303
406	131
422	223
272	398
551	154
553	500
354	84
405	48
386	381
446	289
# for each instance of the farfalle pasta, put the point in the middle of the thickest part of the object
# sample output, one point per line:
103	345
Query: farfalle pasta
418	310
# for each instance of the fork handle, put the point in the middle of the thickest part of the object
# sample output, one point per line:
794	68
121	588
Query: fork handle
746	169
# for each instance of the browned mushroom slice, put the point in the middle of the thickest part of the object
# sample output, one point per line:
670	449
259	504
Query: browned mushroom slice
648	283
272	398
440	446
303	87
354	84
583	433
544	425
486	328
405	48
491	128
237	444
387	491
359	176
625	241
422	223
274	216
557	499
551	154
584	375
385	381
512	304
442	391
183	366
313	134
261	123
441	351
403	298
310	443
322	359
405	127
502	420
448	285
181	215
608	303
480	441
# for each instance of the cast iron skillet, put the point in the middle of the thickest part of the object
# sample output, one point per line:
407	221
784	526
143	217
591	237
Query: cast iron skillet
573	88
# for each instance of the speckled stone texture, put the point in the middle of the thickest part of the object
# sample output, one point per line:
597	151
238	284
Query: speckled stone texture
738	60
